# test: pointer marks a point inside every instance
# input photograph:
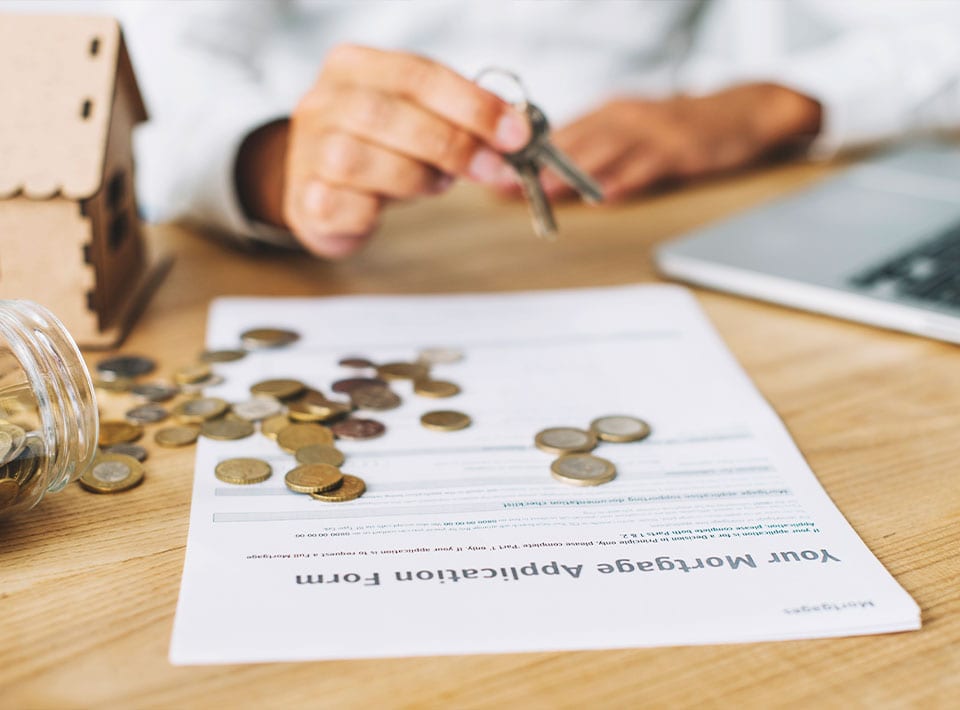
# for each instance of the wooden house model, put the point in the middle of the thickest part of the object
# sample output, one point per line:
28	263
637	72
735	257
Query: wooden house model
70	236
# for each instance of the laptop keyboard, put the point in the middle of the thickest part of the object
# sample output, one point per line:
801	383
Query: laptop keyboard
929	272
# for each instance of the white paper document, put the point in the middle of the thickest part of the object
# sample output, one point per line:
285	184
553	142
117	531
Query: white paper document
713	531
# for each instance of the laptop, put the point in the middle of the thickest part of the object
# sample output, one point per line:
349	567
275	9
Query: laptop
879	244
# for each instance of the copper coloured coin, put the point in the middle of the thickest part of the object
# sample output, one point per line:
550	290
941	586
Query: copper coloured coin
348	385
358	429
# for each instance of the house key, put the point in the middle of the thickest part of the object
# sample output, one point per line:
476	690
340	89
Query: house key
538	154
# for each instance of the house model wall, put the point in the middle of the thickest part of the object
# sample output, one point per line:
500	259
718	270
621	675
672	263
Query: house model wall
69	231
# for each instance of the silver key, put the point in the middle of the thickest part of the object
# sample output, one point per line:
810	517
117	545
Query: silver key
549	156
538	153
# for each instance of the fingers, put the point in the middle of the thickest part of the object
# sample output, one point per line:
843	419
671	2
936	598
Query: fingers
436	88
331	222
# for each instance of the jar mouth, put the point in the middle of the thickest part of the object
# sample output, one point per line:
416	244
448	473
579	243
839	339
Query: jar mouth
61	385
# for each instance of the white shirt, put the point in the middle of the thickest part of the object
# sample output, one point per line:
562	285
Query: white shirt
213	71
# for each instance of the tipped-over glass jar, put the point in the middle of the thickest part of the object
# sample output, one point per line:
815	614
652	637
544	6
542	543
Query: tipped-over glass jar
48	411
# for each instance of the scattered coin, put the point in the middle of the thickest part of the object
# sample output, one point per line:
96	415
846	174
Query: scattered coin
125	367
357	363
271	426
309	478
583	470
194	372
349	489
112	473
296	436
243	471
403	371
435	388
280	389
119	432
565	440
200	385
176	436
156	391
620	428
350	384
358	429
260	338
378	398
195	411
227	429
320	453
445	420
122	384
258	408
147	414
439	356
222	355
133	450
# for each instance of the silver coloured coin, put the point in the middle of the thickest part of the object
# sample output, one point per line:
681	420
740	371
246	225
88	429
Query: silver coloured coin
583	470
620	428
111	471
156	391
256	409
200	385
147	414
440	356
132	450
125	366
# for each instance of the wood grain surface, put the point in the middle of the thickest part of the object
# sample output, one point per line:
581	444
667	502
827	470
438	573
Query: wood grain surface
88	583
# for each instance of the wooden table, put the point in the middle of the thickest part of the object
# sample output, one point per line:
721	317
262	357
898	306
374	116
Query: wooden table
89	583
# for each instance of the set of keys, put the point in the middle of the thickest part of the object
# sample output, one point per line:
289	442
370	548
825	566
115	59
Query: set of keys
538	154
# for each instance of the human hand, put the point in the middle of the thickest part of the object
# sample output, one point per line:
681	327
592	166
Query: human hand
377	126
630	145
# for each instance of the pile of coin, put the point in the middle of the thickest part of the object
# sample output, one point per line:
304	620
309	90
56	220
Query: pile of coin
302	420
575	465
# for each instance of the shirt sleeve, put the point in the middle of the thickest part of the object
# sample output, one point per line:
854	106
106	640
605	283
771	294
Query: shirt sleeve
197	67
879	70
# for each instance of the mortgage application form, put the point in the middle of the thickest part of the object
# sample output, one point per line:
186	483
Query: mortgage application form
714	530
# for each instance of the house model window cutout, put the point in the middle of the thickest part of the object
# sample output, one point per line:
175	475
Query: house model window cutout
69	232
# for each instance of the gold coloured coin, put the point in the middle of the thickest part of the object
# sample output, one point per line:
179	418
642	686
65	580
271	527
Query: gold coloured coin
6	446
118	432
227	429
197	411
112	473
280	389
350	489
243	471
377	398
583	470
296	436
222	355
565	440
403	371
194	372
176	436
259	338
18	439
271	426
308	478
9	490
320	453
435	388
306	411
620	428
445	420
121	384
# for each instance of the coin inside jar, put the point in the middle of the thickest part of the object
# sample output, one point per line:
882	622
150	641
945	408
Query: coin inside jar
620	428
583	470
309	478
565	440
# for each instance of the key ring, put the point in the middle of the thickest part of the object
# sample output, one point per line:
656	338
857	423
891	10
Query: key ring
506	74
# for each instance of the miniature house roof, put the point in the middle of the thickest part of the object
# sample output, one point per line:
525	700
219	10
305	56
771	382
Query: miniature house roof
58	81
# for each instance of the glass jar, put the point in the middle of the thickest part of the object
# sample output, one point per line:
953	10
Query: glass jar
48	410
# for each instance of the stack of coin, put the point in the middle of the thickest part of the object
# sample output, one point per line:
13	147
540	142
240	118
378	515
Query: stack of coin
575	465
